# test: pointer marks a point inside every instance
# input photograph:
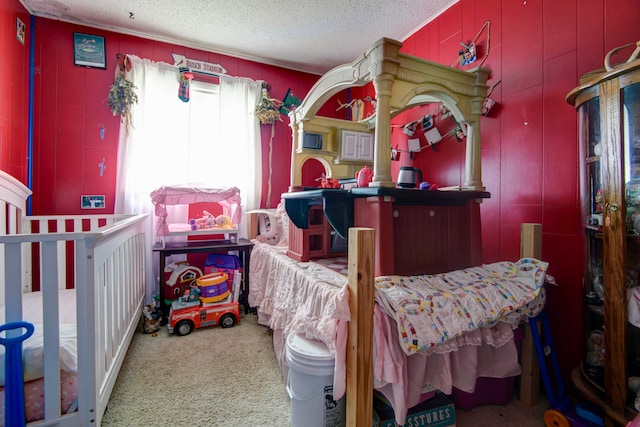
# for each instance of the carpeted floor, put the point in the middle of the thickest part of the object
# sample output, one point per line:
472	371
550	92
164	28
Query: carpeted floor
211	377
229	377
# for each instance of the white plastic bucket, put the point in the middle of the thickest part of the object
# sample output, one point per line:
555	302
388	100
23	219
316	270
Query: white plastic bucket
310	384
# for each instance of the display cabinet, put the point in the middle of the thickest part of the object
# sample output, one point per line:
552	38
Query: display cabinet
608	107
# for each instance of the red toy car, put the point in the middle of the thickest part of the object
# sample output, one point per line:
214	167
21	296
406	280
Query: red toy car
184	317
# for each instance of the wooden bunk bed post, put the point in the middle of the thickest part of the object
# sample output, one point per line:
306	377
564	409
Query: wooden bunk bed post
530	247
359	387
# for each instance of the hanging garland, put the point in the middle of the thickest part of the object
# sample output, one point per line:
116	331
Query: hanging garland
122	93
267	108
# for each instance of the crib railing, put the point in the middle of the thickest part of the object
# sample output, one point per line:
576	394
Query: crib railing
105	256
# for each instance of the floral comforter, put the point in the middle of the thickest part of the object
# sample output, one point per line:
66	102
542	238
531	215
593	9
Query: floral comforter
433	309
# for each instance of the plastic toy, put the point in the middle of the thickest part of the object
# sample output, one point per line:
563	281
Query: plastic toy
364	176
213	286
191	295
328	182
181	276
151	318
206	221
208	302
184	317
14	386
563	411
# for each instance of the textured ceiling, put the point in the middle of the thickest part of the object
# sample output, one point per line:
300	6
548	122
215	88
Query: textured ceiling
305	35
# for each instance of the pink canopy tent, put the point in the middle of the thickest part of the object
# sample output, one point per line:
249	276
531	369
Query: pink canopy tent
228	198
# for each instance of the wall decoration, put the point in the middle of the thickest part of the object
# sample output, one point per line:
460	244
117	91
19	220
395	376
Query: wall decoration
395	154
373	102
357	109
267	108
467	55
488	103
197	66
289	103
427	122
444	111
102	166
459	132
89	51
410	128
122	94
92	202
21	31
469	52
267	112
414	145
433	136
185	82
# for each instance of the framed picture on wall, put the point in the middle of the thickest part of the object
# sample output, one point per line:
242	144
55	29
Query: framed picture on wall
89	51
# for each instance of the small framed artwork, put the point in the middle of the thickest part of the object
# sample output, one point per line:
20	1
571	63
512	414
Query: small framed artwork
21	30
92	202
89	51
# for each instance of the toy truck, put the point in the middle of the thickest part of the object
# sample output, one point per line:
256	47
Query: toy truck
216	307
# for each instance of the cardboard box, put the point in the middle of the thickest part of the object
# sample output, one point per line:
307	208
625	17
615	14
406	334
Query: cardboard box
435	412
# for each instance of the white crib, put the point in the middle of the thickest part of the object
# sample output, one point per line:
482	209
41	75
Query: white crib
102	257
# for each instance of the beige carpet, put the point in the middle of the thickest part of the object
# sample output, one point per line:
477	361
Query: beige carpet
229	377
211	377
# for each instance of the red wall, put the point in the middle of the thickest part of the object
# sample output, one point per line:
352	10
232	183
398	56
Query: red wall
539	49
71	111
14	90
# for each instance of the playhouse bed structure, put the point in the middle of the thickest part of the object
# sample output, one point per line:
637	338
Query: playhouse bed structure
391	232
444	331
80	280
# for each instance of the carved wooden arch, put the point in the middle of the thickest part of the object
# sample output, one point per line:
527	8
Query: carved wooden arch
401	81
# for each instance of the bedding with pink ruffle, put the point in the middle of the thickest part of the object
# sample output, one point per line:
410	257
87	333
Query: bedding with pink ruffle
308	298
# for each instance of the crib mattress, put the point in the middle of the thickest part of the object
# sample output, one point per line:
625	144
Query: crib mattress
32	307
33	364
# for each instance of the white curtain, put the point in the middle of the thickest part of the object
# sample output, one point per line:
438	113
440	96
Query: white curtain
211	141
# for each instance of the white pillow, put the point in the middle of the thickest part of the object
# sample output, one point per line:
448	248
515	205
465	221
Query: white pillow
33	353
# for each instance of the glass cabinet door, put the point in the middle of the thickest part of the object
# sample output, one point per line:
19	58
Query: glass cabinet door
609	134
592	196
631	137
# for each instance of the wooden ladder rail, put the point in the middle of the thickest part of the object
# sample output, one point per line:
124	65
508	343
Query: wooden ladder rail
359	387
530	247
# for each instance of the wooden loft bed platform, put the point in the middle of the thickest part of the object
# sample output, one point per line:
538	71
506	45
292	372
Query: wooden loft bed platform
401	81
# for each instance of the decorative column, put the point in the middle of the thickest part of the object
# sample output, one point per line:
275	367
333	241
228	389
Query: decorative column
295	178
383	84
473	159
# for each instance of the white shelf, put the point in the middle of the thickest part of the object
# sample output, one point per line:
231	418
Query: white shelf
185	230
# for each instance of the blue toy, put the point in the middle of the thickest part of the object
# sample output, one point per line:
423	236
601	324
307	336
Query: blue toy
14	377
562	411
